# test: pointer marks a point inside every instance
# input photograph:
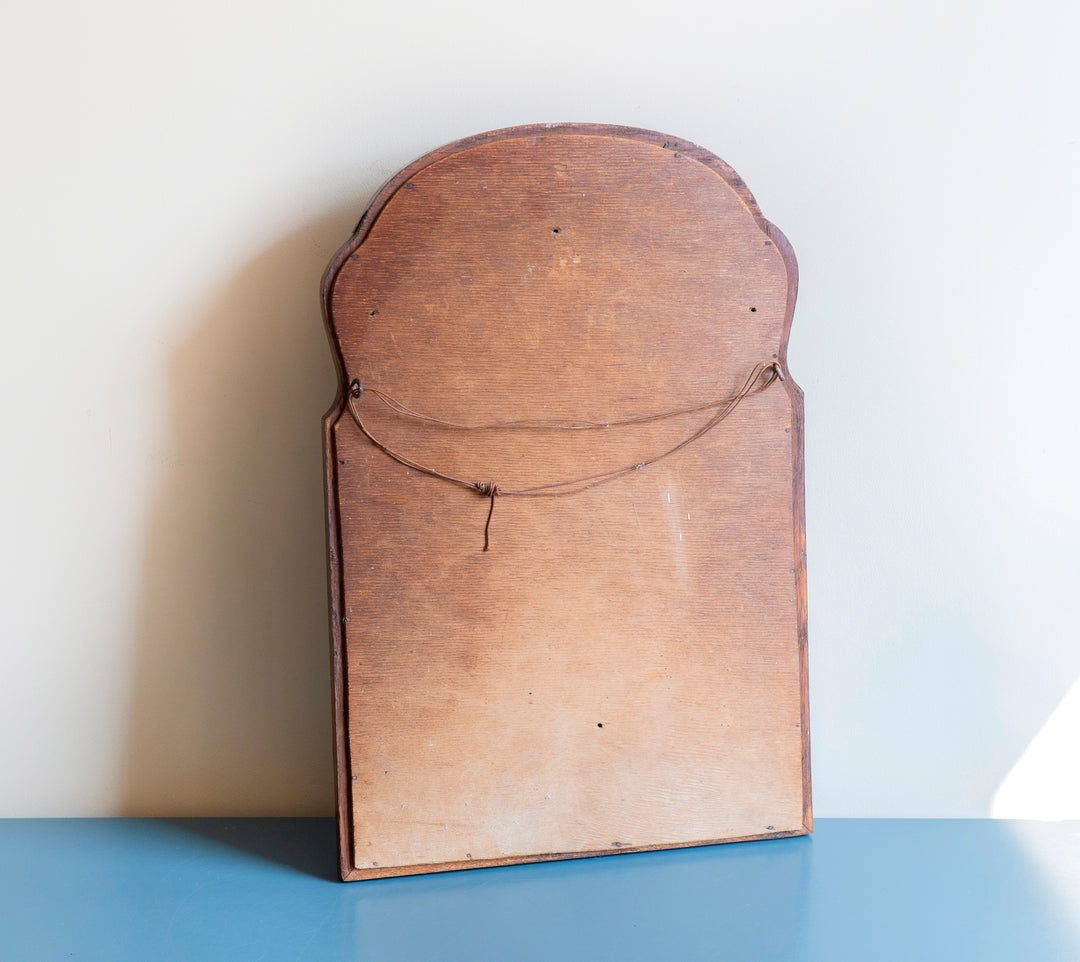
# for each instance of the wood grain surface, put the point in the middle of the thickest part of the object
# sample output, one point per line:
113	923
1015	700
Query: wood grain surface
625	669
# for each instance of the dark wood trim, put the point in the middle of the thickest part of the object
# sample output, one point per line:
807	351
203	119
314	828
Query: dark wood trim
358	874
795	393
337	654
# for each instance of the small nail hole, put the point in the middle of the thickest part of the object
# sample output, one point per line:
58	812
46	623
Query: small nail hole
599	724
753	310
555	230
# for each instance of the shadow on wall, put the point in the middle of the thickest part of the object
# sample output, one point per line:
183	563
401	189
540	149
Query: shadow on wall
230	712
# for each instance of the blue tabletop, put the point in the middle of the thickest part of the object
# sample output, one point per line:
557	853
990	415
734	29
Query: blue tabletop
239	889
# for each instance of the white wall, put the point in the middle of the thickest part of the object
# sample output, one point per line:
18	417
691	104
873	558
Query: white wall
177	175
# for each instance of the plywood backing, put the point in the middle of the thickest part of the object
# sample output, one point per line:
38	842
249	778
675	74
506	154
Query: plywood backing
625	668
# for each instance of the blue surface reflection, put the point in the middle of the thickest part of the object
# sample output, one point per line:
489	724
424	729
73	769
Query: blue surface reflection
265	889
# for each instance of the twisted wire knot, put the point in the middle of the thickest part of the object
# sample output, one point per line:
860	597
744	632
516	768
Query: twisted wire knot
489	489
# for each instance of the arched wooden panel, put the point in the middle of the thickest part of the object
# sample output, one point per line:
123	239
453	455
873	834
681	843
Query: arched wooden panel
625	669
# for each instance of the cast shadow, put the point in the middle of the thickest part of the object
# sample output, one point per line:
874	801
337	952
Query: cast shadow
230	709
305	845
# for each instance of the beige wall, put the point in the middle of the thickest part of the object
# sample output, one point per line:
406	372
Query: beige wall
177	175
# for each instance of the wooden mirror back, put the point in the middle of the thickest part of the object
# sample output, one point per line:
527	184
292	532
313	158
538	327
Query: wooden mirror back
625	668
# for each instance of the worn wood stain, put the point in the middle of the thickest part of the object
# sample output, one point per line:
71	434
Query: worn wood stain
626	668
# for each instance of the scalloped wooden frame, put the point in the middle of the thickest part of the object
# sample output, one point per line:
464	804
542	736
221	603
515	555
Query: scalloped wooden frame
347	702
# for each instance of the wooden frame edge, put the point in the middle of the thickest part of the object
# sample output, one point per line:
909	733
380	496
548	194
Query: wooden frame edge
798	487
335	593
402	871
